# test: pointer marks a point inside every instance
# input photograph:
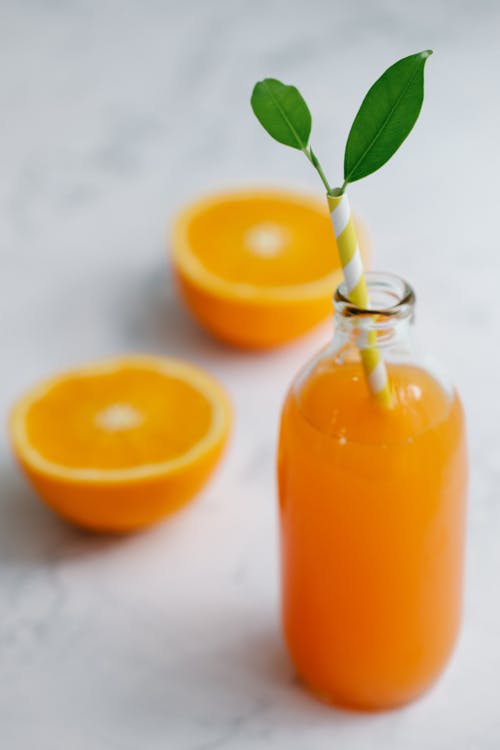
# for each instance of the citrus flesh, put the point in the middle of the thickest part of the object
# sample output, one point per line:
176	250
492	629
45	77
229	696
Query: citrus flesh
119	444
256	268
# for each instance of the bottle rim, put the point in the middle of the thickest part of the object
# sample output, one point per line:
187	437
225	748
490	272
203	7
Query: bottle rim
390	297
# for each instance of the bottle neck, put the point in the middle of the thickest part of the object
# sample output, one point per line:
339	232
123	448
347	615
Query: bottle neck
388	319
358	332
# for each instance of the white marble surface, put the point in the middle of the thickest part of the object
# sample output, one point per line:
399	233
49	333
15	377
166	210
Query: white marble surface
112	115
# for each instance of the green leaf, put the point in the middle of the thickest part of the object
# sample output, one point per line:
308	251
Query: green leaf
386	116
282	111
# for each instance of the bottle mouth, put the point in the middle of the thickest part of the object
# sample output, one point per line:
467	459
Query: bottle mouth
390	297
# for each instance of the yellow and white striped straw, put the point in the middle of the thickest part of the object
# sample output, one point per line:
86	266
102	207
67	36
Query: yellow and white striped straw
357	292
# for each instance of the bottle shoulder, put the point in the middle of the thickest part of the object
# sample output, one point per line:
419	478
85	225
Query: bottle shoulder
331	394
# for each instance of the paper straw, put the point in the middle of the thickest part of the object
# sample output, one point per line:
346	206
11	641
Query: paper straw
357	293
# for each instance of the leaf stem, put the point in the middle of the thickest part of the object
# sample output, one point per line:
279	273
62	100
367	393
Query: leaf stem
317	166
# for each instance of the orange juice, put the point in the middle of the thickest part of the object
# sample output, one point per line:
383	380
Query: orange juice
372	505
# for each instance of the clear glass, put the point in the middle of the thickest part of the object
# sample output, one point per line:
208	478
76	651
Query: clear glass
372	509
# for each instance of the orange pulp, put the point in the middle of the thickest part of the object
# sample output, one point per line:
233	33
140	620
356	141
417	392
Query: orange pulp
120	444
257	268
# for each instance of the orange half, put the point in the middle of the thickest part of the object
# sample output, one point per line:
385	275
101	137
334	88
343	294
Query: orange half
119	444
256	268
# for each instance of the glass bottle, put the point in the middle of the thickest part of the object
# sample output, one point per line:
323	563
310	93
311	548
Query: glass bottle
372	510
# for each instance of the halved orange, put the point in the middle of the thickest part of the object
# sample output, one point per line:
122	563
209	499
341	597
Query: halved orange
256	268
117	445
